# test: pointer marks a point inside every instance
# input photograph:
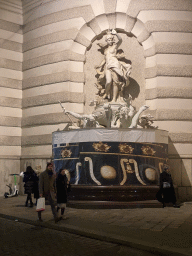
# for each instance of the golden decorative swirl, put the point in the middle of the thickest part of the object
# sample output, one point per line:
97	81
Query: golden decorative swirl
102	147
66	153
125	148
147	150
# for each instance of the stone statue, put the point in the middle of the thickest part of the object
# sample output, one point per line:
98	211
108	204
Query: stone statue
89	121
146	121
112	106
126	116
123	116
113	69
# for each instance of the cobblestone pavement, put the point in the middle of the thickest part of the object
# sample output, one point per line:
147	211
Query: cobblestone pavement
21	239
154	219
167	231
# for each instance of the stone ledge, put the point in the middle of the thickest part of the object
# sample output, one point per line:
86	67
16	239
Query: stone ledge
10	83
43	139
45	119
52	58
169	26
164	92
171	114
9	26
137	6
10	45
11	64
181	137
10	140
173	48
85	11
53	78
53	98
50	38
10	121
168	70
10	102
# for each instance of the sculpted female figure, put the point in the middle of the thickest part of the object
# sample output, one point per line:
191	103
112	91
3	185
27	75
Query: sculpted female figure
116	72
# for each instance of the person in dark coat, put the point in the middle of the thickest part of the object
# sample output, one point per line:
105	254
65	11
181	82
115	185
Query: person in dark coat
166	193
29	179
63	187
47	189
36	188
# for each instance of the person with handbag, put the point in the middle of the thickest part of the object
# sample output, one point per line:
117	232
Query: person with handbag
47	189
166	193
63	187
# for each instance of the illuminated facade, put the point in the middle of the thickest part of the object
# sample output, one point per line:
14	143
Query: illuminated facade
48	52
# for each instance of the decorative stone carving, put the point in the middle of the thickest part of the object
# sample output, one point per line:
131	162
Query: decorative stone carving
112	106
114	71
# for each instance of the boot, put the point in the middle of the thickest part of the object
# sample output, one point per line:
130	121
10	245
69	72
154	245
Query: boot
31	204
39	216
62	214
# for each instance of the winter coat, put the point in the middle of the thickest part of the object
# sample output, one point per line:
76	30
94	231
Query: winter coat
166	195
36	188
29	179
47	184
62	188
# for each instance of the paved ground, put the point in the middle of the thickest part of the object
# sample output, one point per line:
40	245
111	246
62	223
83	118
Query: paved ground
167	231
22	239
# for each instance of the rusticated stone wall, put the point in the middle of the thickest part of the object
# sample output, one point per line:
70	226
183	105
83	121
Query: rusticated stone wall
11	57
46	46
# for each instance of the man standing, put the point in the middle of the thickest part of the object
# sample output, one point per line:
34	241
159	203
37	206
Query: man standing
47	189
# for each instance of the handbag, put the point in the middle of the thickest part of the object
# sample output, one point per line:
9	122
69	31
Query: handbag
166	185
40	204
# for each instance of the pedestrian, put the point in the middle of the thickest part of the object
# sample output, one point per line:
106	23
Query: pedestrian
63	187
166	193
47	189
29	179
38	171
36	188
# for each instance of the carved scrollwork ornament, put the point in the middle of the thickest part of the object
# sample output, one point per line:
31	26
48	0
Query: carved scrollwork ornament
66	153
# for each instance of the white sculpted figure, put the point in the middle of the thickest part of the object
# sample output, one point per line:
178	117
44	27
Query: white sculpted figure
115	72
89	121
126	116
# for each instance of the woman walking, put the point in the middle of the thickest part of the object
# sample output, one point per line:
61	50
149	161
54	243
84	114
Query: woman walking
29	179
63	188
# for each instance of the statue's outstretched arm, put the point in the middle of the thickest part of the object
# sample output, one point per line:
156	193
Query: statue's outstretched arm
78	116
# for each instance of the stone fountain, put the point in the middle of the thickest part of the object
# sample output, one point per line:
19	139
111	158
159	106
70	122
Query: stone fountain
115	153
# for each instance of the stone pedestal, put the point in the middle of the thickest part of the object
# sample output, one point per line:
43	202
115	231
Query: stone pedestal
111	164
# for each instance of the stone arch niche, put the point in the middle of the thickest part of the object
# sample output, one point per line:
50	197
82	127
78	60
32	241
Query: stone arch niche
137	44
